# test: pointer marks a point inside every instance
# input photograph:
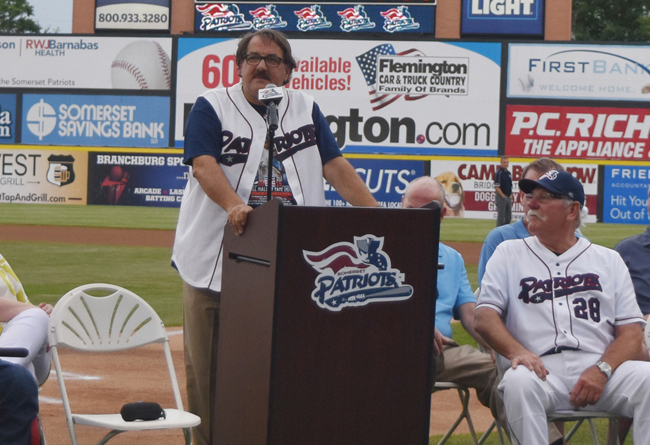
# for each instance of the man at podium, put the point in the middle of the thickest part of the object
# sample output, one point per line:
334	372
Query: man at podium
225	146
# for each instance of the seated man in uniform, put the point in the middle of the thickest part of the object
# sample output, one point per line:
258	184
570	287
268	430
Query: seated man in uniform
562	315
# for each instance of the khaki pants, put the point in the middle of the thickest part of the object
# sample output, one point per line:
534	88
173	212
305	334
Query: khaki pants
201	335
467	366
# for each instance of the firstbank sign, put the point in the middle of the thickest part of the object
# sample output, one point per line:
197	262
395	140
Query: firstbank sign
503	17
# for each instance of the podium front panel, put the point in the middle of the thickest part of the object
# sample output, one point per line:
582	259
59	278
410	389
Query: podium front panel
352	326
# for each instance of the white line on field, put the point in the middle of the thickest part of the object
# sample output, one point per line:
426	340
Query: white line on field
74	376
49	400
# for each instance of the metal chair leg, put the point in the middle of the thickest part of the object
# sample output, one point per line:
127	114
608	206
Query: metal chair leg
463	393
488	431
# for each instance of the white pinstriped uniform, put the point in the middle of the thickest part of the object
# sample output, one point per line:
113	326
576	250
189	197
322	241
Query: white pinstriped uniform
573	302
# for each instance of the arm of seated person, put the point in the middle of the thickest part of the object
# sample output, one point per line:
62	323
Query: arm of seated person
466	314
10	308
489	325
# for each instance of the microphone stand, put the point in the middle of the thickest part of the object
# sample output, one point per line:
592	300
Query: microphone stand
272	120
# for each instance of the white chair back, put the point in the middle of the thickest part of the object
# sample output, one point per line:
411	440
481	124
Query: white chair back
80	320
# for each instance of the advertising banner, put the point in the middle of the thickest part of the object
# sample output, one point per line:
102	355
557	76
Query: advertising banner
136	179
113	121
469	186
397	97
625	194
578	132
7	118
385	178
85	62
309	17
43	176
498	17
152	15
590	72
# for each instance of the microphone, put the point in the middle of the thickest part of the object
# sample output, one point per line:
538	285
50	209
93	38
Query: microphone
271	96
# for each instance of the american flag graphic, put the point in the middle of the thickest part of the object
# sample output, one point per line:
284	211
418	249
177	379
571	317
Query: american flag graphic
262	13
307	13
214	10
393	14
368	64
350	14
335	258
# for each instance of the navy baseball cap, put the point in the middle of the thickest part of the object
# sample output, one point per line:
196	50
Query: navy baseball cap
558	182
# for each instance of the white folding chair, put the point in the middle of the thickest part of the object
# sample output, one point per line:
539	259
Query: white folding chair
116	321
463	394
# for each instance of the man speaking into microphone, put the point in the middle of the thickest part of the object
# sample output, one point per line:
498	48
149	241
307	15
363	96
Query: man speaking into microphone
225	147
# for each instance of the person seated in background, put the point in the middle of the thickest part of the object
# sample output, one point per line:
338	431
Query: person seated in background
18	403
519	228
463	365
635	251
26	328
562	315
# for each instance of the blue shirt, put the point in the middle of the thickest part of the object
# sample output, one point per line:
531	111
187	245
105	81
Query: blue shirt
635	251
453	288
516	230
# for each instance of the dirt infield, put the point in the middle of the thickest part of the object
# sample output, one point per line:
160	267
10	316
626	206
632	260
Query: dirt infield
90	376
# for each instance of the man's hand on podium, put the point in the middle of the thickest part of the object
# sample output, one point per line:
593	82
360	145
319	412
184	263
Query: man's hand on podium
237	217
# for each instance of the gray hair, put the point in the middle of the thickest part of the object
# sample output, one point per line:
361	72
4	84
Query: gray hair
582	214
541	166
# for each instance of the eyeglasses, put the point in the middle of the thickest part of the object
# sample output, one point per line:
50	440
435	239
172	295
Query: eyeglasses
544	197
271	60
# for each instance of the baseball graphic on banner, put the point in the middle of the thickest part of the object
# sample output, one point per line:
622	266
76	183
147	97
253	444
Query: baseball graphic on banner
141	65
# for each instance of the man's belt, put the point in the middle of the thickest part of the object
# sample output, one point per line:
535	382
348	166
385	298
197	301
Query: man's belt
558	349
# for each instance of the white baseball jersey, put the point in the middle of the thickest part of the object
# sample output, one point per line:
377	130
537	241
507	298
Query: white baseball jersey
198	245
571	300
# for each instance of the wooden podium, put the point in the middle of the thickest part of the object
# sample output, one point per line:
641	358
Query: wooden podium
326	328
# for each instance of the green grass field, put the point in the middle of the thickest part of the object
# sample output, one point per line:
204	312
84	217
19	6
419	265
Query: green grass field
48	270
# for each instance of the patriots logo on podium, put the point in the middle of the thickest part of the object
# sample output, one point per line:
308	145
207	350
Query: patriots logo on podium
355	274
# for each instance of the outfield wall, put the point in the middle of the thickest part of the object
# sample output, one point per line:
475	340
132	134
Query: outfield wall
78	126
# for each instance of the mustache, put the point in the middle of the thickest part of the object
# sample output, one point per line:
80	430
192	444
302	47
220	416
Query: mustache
262	75
535	214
